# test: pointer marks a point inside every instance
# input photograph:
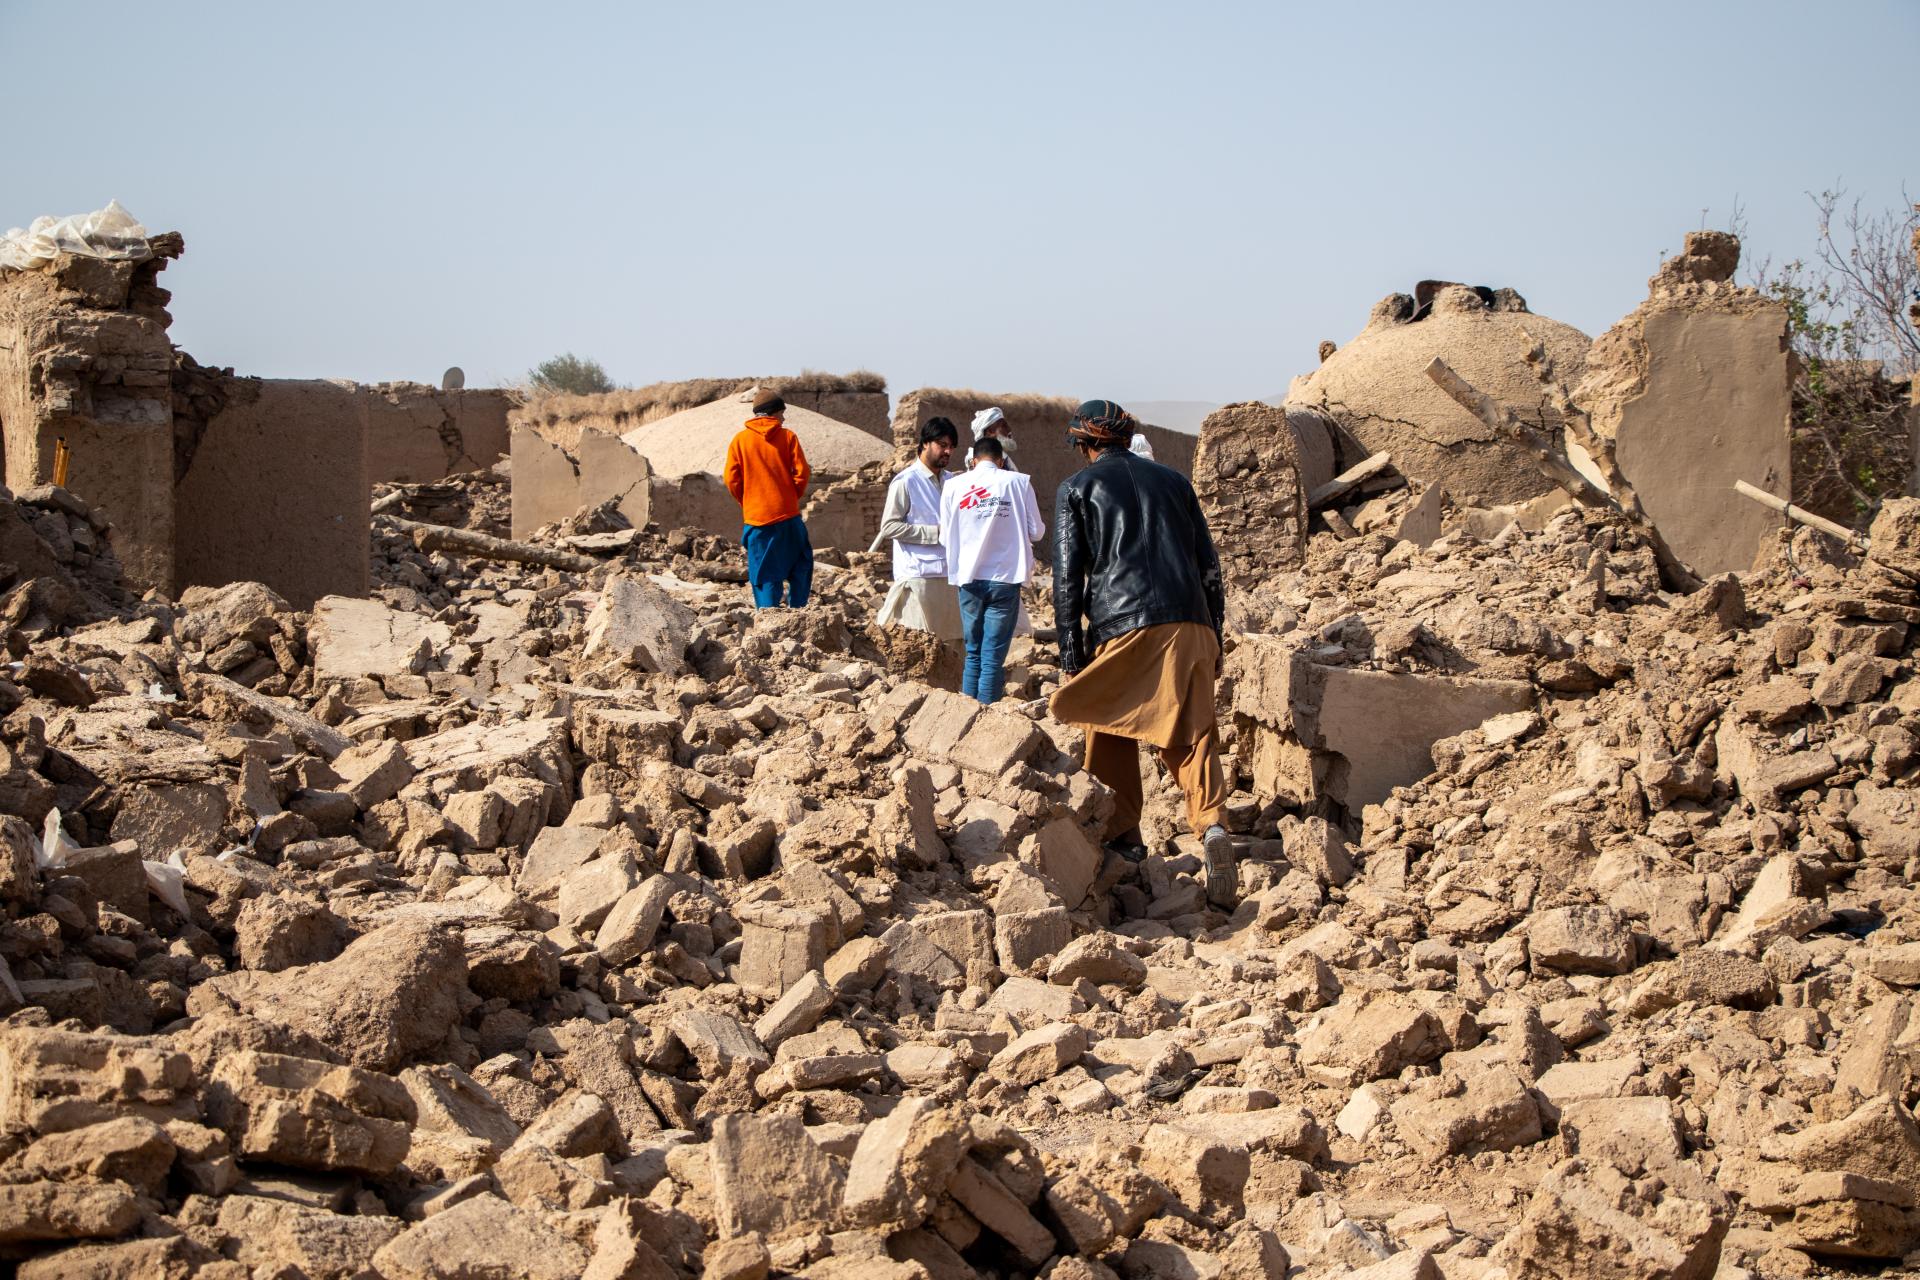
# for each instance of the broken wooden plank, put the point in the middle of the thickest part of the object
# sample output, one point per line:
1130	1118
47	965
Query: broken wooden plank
1348	479
1800	515
439	537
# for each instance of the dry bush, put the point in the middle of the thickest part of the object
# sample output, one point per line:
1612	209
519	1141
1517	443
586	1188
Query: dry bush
1015	404
1851	328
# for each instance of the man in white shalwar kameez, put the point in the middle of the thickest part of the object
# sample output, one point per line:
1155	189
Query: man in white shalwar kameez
921	597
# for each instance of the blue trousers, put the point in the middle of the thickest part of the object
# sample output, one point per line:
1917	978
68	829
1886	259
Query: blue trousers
988	611
779	559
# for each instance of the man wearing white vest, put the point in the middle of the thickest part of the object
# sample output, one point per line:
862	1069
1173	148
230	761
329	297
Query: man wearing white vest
921	596
989	521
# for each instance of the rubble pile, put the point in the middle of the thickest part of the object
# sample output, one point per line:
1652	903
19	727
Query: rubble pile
536	921
57	565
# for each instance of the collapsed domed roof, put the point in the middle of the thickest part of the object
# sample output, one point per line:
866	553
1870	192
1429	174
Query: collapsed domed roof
696	439
1377	388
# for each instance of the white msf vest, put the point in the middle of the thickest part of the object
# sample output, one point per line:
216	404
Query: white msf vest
911	560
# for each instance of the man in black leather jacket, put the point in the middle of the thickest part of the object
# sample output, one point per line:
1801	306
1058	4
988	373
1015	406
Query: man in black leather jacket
1138	604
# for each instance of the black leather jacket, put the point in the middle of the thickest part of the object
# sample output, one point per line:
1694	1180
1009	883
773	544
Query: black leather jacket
1131	550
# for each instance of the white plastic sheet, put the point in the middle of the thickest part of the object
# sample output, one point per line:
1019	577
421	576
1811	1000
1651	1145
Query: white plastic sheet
111	232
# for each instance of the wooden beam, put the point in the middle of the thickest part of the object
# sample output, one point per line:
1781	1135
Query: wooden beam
1348	479
1800	515
438	537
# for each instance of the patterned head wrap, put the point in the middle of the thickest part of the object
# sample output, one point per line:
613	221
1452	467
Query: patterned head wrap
1102	422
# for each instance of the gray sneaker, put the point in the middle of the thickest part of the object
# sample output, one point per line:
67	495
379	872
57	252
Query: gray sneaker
1223	869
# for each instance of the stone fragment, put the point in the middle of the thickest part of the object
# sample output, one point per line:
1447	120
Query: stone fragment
628	739
999	1211
633	922
350	638
310	1115
1100	959
1205	1172
482	1238
639	626
803	1005
996	742
1101	1206
131	1150
769	1176
1023	939
275	1234
903	1162
937	727
622	1247
857	966
588	893
284	931
373	772
738	1258
577	1124
1356	1042
1879	1139
1494	1112
393	993
58	1080
1061	852
779	945
1591	1220
1040	1054
38	1211
1581	940
716	1041
460	1128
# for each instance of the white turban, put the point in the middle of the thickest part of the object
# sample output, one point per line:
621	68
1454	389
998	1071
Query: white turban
986	418
1142	446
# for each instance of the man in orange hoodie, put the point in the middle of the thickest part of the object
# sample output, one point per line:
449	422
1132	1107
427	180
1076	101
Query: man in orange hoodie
767	475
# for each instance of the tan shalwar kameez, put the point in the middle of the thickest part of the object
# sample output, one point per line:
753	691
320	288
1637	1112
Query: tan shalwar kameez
1154	685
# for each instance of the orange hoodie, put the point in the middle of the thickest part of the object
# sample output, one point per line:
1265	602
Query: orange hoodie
766	472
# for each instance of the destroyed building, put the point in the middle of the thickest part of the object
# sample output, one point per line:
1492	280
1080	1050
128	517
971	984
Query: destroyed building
548	911
858	399
1375	387
669	470
1695	391
206	477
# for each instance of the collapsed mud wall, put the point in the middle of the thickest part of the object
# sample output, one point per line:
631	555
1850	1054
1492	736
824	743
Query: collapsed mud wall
858	399
1247	474
551	482
417	434
84	360
1695	389
278	491
846	512
1376	387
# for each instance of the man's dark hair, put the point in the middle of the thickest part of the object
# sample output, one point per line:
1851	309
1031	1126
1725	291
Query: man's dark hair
938	429
990	447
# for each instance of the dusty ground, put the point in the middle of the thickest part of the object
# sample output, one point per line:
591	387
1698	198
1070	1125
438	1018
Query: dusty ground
551	923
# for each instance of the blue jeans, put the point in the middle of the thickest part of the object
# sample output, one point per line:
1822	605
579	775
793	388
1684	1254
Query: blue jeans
988	611
779	557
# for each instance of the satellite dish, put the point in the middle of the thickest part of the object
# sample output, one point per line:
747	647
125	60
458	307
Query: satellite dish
453	379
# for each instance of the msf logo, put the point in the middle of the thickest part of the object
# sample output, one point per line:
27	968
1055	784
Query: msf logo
974	497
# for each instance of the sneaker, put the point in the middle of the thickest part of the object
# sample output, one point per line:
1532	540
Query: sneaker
1223	870
1127	850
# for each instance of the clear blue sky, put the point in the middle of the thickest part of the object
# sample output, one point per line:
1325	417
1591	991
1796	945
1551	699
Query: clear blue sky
1133	200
